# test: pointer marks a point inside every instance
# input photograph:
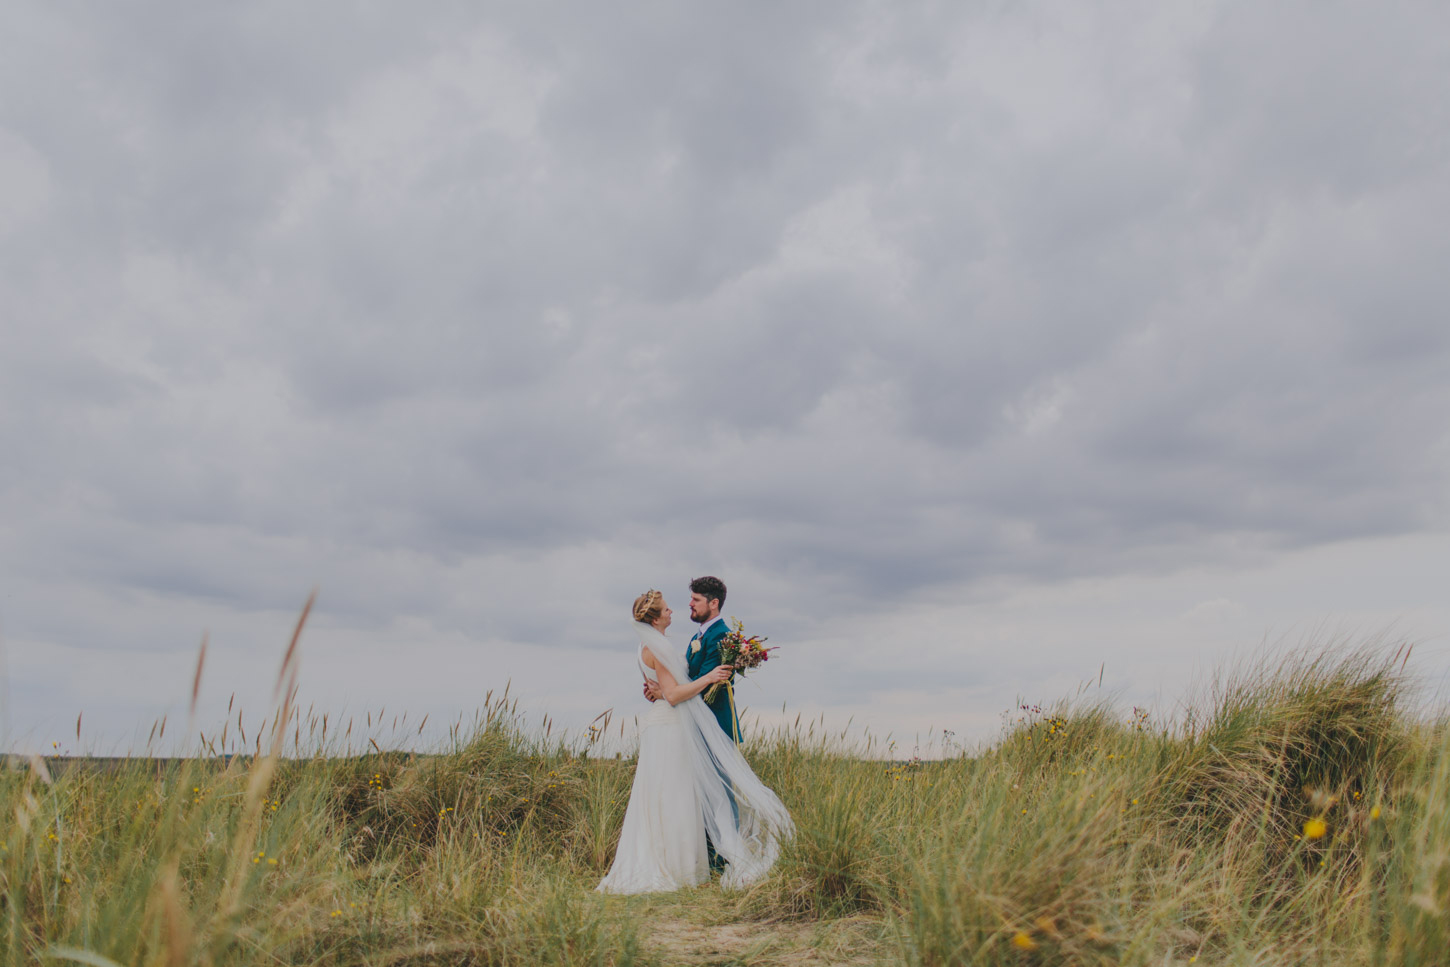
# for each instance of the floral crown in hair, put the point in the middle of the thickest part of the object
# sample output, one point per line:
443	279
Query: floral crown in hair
650	597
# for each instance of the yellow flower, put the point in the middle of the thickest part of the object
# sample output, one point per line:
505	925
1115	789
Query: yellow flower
1315	828
1021	941
1374	813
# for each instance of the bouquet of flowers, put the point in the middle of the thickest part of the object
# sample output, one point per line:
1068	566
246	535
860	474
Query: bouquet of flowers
739	653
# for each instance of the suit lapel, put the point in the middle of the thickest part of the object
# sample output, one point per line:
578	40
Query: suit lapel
691	652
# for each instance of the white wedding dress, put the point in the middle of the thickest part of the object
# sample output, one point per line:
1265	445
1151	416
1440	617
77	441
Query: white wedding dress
690	780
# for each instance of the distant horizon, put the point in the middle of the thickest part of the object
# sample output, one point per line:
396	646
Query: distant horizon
428	735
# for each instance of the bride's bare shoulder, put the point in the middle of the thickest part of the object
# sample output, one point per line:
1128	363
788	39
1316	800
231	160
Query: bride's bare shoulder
649	657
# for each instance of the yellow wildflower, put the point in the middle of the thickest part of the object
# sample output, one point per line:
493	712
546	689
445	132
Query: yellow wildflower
1021	941
1315	828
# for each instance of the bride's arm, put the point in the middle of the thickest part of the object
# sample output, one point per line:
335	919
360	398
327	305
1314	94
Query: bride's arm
673	691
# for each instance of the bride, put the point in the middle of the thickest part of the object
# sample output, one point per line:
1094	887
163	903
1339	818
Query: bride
690	782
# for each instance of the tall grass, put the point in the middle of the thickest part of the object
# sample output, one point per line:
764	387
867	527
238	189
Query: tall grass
481	855
1080	836
1271	827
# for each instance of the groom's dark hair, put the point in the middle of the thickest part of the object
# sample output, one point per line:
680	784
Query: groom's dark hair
710	587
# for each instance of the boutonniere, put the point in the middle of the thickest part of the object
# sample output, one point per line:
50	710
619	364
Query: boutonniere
695	646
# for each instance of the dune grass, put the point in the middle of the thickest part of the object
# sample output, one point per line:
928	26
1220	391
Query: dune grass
1299	814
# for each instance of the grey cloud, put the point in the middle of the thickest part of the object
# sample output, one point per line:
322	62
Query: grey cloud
484	317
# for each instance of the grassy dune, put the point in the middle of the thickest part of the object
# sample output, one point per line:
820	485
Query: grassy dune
1298	816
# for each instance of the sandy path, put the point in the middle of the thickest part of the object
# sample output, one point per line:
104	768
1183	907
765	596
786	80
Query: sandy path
680	937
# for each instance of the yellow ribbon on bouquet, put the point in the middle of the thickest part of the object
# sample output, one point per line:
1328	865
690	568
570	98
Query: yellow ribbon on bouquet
709	696
734	720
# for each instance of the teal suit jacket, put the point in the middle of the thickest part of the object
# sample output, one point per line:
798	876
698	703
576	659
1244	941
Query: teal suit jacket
700	663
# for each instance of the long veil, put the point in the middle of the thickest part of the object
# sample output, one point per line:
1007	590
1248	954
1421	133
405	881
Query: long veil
748	831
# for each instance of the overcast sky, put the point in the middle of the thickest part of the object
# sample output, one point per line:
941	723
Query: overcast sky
976	346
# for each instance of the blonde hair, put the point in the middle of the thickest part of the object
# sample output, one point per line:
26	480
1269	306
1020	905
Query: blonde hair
649	606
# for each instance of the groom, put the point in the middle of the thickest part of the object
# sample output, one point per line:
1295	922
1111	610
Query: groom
707	596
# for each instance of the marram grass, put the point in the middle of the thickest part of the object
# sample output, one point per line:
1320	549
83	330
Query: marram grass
1298	815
